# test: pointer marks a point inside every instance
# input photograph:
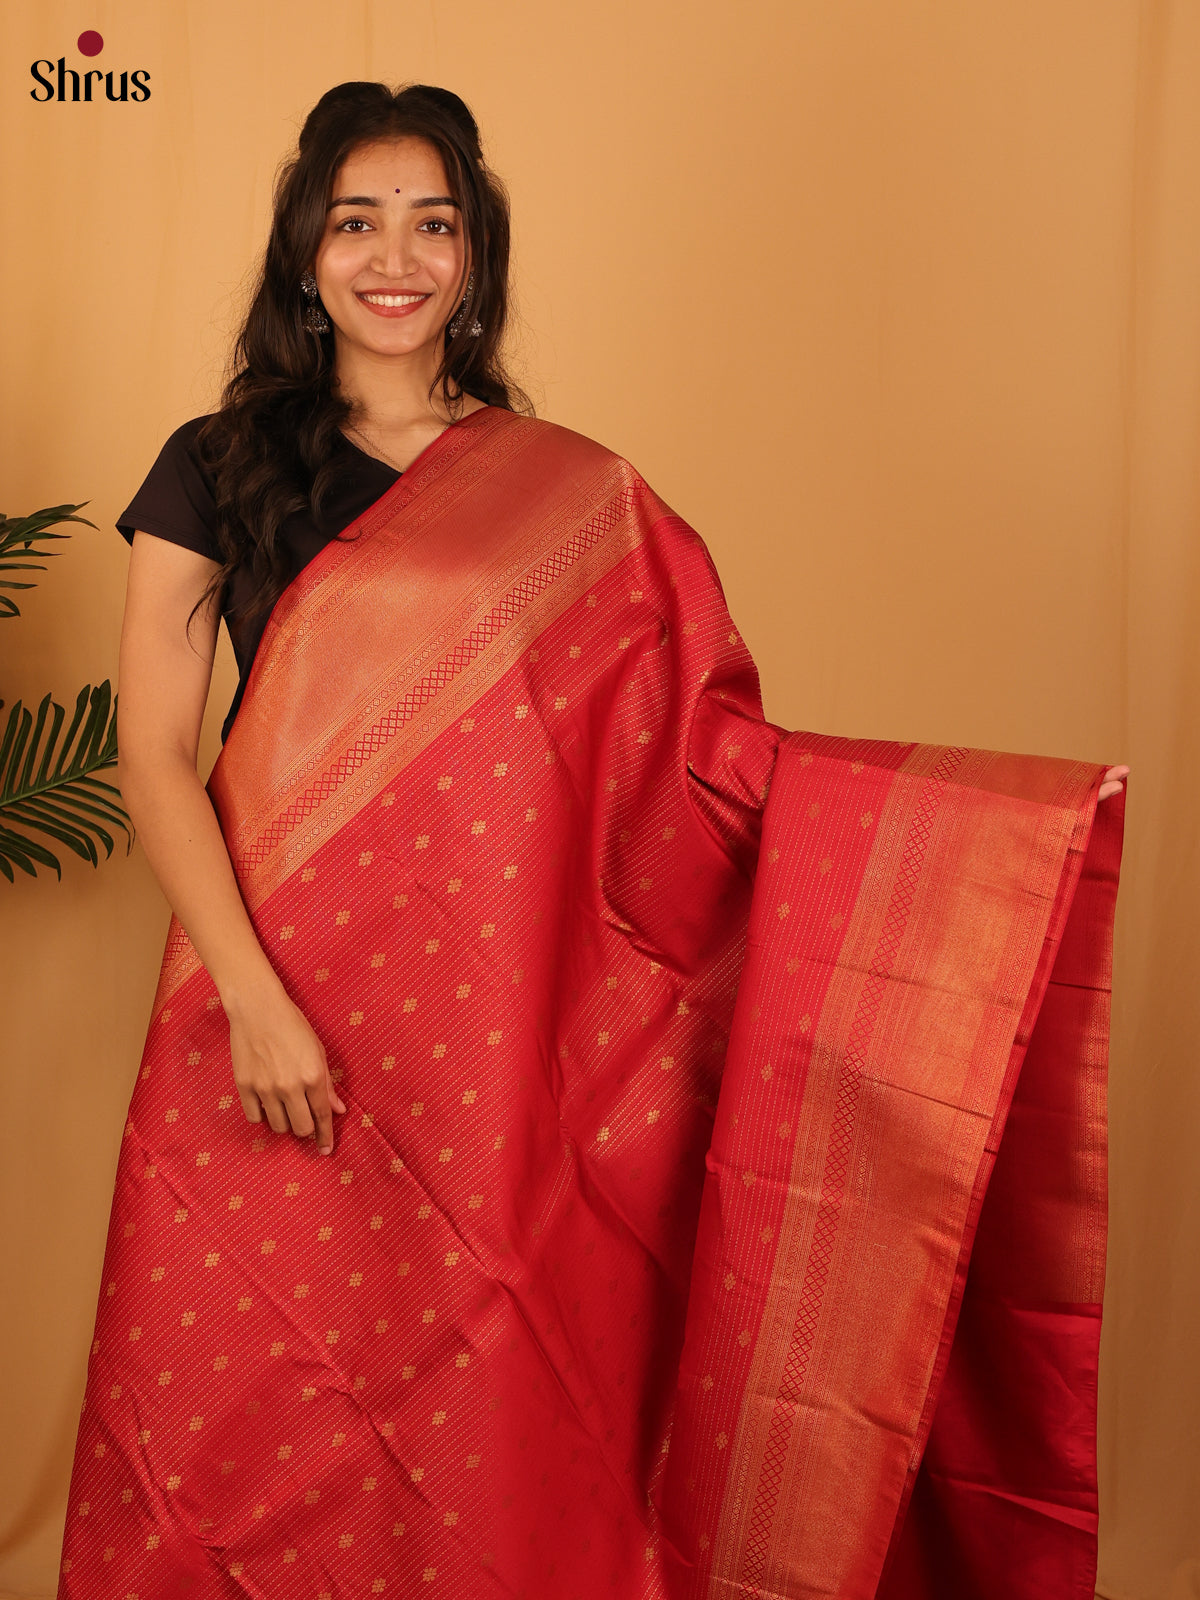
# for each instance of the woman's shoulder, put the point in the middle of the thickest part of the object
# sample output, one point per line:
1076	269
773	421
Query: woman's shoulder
613	485
176	499
181	453
583	458
185	438
566	444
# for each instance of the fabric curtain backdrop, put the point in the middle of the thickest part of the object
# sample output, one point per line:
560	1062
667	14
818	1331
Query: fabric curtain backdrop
953	498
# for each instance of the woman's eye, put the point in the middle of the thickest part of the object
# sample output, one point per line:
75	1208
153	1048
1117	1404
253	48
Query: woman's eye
356	224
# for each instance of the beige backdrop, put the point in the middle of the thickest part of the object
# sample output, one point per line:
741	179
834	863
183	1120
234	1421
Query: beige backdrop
896	301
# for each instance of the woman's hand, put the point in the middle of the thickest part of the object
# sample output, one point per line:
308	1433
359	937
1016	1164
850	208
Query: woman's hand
279	1067
1114	781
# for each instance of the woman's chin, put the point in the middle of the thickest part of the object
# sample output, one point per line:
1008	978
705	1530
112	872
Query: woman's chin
386	341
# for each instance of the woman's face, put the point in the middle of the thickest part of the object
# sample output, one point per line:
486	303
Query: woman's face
390	262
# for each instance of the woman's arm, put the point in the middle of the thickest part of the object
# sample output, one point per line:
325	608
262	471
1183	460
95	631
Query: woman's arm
279	1064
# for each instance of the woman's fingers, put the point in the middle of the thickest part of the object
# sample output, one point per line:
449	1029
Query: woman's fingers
322	1115
250	1104
335	1099
1113	781
281	1070
276	1113
299	1114
303	1110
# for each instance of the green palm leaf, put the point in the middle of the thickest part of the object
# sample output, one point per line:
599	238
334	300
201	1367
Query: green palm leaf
48	783
19	536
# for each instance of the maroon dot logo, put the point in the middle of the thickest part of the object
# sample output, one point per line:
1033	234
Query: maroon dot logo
89	43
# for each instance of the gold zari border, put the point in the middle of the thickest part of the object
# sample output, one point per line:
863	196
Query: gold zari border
834	1398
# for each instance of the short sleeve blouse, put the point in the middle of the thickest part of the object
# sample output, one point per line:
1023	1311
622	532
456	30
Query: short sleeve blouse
177	502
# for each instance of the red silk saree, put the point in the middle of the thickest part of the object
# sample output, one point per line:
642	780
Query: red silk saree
720	1204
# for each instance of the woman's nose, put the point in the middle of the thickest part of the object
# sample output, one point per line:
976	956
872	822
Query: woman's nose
394	254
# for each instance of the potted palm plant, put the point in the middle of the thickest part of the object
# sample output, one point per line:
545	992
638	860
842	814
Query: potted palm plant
49	790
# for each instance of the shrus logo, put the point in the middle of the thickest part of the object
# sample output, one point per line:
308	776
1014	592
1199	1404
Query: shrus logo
53	77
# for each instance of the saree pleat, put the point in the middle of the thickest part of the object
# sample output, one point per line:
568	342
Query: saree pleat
658	1254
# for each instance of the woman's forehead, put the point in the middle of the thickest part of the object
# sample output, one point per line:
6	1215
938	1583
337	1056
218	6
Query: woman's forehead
404	161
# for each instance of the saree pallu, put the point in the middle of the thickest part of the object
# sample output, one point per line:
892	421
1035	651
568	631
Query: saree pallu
719	1208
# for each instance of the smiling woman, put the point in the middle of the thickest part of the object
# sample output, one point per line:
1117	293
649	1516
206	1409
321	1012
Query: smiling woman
319	417
388	193
716	1203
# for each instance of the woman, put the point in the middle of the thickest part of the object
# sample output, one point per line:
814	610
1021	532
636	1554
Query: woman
511	918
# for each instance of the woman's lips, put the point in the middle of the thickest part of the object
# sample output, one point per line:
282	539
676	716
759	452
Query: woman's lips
391	311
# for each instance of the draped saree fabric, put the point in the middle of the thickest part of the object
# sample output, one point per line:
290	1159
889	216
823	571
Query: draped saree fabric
719	1206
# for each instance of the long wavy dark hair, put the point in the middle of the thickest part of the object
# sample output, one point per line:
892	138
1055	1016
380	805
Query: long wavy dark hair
271	445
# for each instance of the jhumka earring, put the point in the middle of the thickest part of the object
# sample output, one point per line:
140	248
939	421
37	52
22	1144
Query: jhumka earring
314	318
456	321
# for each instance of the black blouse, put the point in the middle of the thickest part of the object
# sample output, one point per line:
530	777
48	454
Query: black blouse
177	502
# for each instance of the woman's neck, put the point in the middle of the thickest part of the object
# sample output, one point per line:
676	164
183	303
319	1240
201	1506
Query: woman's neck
391	395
